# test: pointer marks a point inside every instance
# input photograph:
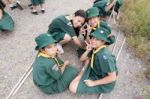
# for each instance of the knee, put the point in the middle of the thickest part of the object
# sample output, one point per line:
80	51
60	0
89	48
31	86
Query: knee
67	38
73	87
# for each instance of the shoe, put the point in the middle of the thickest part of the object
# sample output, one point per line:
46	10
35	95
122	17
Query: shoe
13	7
43	11
3	30
19	5
29	5
35	13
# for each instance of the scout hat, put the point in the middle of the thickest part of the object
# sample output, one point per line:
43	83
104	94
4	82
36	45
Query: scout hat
92	12
44	40
103	34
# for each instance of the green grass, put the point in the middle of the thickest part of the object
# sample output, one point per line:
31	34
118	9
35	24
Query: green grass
135	22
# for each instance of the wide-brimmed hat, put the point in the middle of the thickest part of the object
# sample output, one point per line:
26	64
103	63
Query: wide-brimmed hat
44	40
92	12
103	34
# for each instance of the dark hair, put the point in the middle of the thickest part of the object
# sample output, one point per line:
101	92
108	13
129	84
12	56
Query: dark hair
2	5
81	13
111	40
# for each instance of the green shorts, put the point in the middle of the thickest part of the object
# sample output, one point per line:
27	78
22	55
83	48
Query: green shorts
63	83
58	36
83	88
7	23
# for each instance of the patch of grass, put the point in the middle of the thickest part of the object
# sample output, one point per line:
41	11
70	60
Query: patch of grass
135	22
146	91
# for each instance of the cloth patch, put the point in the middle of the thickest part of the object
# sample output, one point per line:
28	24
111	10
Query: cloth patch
104	57
55	67
70	24
102	31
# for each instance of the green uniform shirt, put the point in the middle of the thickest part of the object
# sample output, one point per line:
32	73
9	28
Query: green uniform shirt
47	76
6	23
104	63
60	26
101	5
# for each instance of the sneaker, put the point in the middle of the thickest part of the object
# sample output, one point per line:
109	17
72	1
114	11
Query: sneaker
35	12
30	5
13	6
60	49
19	5
43	11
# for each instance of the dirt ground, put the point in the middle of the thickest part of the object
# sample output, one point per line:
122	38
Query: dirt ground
17	54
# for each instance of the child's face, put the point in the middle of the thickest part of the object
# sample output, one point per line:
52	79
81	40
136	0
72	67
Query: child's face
78	21
96	43
93	22
51	50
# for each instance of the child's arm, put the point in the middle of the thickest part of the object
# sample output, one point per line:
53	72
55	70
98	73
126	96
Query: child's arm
1	14
108	79
66	63
84	56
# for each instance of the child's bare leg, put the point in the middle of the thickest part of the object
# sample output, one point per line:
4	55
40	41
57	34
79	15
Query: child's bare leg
1	14
74	84
34	8
42	8
34	11
65	40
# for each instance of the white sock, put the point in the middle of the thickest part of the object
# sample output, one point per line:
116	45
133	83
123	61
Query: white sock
60	49
42	9
11	5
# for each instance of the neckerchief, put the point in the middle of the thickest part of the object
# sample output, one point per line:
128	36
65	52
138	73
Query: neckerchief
54	58
93	55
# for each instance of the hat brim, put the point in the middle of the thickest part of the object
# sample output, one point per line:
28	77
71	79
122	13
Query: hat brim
92	15
45	44
100	37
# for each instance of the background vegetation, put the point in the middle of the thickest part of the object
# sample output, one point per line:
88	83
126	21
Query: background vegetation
135	22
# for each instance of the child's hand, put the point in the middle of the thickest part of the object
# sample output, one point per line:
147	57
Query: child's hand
88	47
89	83
66	62
1	14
